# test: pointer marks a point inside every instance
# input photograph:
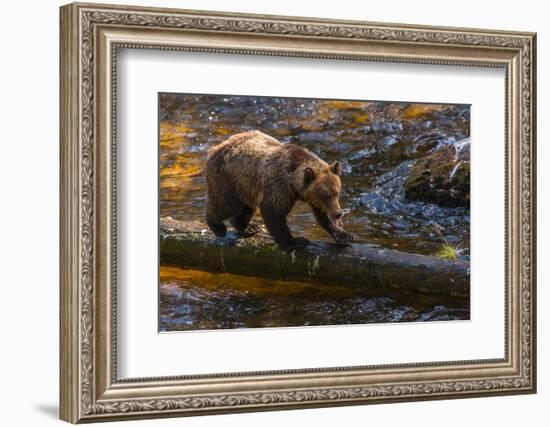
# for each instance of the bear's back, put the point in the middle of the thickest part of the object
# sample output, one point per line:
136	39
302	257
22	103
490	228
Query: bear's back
251	142
244	150
246	161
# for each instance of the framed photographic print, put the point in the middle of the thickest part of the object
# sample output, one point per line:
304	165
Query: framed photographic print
266	212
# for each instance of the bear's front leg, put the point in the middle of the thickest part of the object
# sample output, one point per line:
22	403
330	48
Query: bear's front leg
336	231
275	221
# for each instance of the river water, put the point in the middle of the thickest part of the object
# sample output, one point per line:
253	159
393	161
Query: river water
378	144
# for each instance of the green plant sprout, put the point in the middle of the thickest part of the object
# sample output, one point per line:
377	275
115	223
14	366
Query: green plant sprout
447	251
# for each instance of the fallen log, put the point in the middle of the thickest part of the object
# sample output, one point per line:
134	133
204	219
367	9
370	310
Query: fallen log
190	244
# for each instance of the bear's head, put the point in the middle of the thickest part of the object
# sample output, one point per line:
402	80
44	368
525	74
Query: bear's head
322	188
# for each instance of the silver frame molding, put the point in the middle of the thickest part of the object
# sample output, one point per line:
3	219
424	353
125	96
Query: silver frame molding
90	37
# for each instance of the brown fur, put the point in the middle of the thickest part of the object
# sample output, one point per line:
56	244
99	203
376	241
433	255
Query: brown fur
252	170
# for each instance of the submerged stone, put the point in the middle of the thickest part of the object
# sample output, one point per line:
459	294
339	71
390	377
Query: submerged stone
387	126
374	201
366	152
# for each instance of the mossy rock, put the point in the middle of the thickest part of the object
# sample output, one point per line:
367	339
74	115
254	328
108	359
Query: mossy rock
442	177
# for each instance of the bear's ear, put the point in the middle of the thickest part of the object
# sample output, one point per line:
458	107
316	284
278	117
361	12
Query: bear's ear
336	168
309	176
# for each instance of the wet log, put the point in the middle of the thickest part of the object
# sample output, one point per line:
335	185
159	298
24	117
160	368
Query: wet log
190	244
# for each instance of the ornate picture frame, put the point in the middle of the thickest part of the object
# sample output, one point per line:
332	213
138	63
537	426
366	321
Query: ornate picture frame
90	37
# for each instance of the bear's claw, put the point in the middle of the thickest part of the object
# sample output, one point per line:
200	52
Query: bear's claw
343	237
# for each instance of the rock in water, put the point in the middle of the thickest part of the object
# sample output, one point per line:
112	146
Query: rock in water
442	177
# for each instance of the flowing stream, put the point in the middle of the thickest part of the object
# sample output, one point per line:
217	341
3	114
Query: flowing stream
378	144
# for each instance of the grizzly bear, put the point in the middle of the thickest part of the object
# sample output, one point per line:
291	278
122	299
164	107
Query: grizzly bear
252	170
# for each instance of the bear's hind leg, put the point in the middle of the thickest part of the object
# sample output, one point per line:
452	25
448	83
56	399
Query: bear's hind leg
218	228
214	220
242	223
221	203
